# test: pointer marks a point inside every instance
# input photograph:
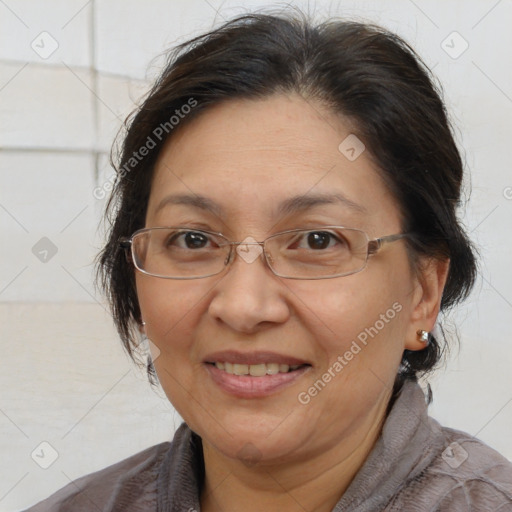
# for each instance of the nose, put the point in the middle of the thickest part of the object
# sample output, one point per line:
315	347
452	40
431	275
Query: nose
249	296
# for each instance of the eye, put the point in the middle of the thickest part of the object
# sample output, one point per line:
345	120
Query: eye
318	240
189	240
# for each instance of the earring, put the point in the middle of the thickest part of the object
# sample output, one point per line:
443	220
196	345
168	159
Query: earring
423	336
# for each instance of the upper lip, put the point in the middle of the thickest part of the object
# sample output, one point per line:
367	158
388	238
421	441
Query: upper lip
250	358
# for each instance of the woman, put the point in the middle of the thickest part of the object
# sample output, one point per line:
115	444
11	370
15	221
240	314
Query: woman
284	232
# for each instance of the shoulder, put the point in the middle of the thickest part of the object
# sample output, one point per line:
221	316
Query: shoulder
465	475
131	481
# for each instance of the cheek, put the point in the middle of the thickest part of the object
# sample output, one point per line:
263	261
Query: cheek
355	303
170	310
361	318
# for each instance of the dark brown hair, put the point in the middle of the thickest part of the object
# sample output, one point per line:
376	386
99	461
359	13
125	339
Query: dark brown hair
359	70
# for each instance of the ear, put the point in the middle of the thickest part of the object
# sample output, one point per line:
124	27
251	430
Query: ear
431	279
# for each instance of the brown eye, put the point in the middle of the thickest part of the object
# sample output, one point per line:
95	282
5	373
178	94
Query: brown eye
318	240
189	240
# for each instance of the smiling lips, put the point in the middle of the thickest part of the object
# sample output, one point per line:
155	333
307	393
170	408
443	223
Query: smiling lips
254	375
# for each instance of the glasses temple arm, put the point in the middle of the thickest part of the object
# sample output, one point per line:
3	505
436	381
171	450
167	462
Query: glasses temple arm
375	245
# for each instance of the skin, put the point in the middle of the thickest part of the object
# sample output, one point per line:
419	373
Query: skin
248	156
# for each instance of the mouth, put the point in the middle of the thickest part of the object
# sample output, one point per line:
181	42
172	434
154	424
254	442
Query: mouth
254	375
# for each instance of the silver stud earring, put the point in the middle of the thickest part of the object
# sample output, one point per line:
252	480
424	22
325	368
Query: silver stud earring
423	336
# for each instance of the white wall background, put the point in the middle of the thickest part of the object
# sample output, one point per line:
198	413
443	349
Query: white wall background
69	73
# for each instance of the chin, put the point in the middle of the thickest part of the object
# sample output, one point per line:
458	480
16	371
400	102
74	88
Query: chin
265	441
252	450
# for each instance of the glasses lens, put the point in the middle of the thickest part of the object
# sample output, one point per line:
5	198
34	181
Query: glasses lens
179	253
319	253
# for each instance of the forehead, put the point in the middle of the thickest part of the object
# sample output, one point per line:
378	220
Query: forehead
276	130
257	153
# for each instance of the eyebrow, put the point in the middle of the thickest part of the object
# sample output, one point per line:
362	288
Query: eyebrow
289	206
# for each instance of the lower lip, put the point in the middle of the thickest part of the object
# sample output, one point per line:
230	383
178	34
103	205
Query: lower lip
245	386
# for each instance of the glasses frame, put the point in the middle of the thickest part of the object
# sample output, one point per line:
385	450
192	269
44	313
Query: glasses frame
373	246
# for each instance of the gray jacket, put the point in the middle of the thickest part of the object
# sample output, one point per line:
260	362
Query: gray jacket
415	466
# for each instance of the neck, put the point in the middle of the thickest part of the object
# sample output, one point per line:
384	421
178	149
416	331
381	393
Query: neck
314	483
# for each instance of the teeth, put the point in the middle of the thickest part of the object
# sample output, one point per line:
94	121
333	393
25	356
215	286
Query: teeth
241	369
256	370
272	368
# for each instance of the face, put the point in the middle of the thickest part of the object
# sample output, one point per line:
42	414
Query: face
346	334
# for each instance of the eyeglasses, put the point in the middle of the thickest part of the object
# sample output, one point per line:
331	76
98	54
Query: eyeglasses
316	253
